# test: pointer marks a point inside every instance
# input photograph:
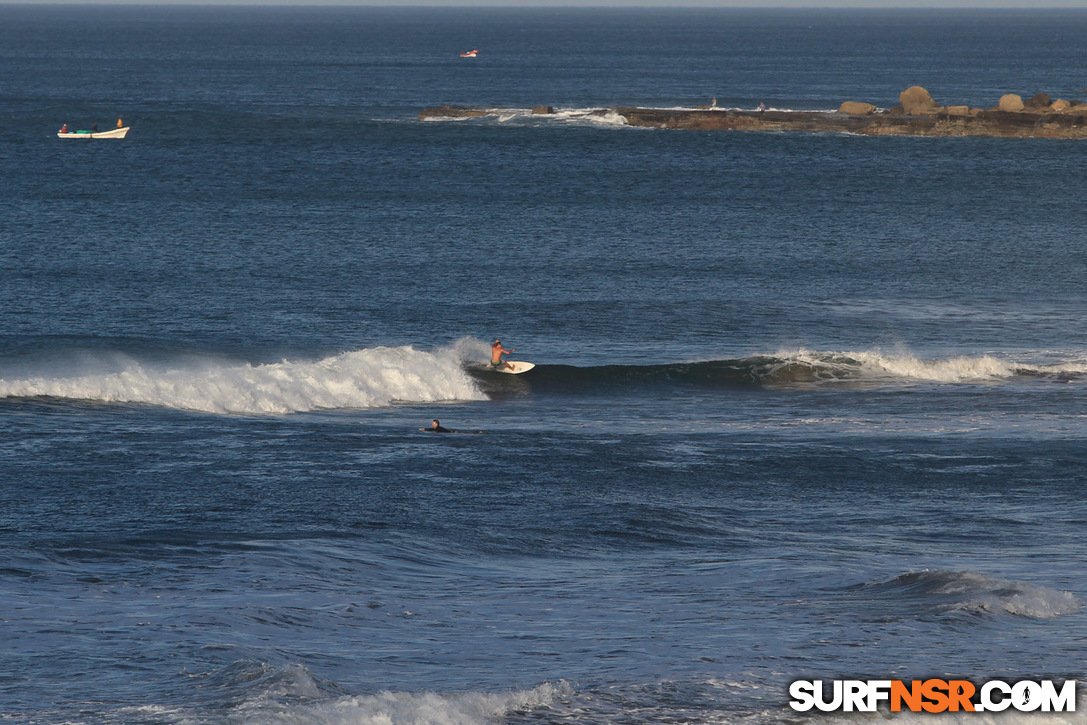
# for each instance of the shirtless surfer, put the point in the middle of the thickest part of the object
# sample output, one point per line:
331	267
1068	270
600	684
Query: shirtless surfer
497	351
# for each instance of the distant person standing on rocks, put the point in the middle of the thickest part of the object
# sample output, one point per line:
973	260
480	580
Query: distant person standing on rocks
762	107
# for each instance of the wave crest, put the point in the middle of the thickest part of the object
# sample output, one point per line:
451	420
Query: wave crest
473	708
259	692
940	592
369	378
605	117
790	369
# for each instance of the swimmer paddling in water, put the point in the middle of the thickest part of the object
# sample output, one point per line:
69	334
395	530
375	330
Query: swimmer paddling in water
436	427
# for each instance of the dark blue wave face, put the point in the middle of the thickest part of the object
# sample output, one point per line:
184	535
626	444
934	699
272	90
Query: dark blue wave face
799	372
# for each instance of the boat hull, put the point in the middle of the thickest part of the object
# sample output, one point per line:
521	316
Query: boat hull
113	133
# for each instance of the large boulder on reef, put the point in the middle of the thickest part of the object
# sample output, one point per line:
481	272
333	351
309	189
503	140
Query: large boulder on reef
1011	102
856	107
1037	102
916	101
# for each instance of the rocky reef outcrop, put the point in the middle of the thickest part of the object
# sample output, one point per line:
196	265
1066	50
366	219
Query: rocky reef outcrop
917	101
916	114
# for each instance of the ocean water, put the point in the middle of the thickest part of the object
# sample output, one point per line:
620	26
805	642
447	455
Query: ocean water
805	406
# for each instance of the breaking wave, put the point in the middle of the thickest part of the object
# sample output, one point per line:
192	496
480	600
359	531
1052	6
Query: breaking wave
525	117
258	692
944	593
591	116
382	376
369	378
473	708
784	370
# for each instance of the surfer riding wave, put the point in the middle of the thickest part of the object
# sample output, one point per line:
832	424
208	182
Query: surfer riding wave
497	351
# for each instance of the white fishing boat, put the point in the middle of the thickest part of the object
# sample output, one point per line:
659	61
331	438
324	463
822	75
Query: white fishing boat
112	133
469	54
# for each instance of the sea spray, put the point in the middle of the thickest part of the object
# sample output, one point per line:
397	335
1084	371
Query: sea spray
369	378
904	365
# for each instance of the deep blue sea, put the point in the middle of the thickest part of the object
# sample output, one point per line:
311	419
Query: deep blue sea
804	406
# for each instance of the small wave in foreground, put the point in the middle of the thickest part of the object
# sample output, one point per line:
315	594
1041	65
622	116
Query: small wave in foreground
943	593
255	692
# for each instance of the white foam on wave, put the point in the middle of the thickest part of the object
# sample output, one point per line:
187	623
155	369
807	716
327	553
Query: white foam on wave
574	116
973	593
369	378
874	364
488	113
589	116
506	115
982	593
949	370
592	116
446	119
290	695
525	116
409	708
741	109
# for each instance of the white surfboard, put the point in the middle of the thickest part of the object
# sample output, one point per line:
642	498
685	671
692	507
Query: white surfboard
517	365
